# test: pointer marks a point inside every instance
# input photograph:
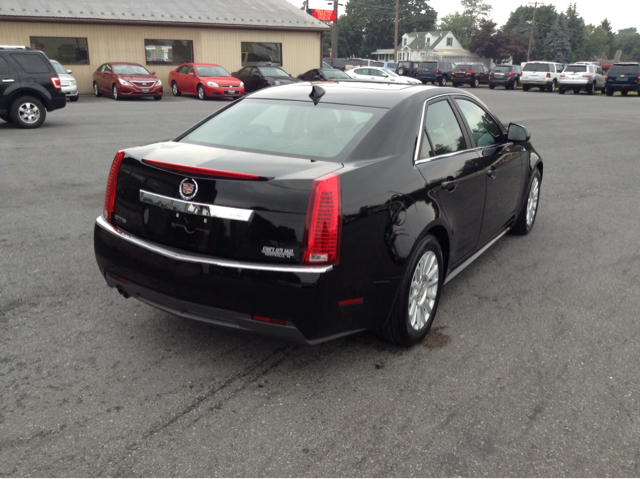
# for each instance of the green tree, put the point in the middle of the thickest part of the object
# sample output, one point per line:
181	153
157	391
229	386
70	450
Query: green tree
628	40
596	43
611	36
575	27
519	23
558	41
368	25
464	24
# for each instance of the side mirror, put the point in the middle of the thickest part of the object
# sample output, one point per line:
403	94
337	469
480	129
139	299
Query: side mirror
257	75
69	71
106	72
518	133
152	73
191	74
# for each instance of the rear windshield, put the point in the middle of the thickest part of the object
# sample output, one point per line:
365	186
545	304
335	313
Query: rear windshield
337	74
130	70
428	65
463	67
502	68
536	67
207	71
624	69
289	128
576	68
273	72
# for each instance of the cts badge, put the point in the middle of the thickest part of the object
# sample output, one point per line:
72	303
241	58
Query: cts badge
188	188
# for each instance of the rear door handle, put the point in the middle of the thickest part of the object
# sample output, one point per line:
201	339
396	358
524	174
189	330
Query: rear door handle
8	80
449	184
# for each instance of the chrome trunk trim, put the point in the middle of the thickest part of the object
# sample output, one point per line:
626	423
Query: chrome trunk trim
178	255
200	209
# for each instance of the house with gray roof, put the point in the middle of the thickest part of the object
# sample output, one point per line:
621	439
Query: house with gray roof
162	34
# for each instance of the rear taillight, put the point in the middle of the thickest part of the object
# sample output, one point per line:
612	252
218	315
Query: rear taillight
638	78
585	76
207	172
469	72
323	225
606	78
548	75
437	71
55	81
562	76
110	196
510	74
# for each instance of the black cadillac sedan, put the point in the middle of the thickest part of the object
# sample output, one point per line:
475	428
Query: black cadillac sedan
310	211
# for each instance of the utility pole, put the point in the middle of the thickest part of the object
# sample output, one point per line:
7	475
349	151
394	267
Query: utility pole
533	23
395	37
334	32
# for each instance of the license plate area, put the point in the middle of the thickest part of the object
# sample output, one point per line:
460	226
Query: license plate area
145	90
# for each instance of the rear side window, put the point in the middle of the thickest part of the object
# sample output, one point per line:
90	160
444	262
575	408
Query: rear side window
442	133
5	68
536	67
31	62
624	69
485	130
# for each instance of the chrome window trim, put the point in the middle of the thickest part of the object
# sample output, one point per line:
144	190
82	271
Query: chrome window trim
416	156
202	259
200	209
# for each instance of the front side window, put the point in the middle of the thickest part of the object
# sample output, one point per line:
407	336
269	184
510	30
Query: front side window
5	69
67	50
484	129
256	53
168	52
442	133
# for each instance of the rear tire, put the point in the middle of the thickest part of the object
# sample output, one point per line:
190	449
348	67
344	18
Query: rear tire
474	83
415	307
492	87
552	88
527	217
624	92
561	91
174	89
515	84
609	92
591	88
443	81
525	87
28	112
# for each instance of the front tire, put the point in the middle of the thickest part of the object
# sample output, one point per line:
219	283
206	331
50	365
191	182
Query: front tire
74	98
529	211
115	93
28	112
415	308
96	90
201	94
157	98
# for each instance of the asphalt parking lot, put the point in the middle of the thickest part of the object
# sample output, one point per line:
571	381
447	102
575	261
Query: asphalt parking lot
531	368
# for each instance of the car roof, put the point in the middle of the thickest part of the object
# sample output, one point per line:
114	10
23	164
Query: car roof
350	92
201	64
123	63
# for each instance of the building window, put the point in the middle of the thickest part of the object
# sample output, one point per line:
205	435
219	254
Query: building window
449	41
404	42
254	53
428	41
67	50
168	52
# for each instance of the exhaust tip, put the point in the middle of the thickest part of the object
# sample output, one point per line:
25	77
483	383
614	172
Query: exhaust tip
123	293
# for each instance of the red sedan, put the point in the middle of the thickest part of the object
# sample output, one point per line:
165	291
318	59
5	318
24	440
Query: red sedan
207	80
122	80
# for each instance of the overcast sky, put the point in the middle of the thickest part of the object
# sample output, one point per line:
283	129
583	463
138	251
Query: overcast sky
620	14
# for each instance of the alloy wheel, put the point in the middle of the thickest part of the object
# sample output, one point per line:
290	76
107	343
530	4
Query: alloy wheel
424	290
29	113
532	201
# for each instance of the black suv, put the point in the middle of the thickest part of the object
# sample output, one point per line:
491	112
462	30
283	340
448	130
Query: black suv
29	87
407	69
507	76
622	77
435	72
472	73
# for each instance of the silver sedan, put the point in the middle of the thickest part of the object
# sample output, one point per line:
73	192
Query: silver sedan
381	75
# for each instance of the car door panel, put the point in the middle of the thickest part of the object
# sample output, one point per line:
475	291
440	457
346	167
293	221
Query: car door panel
456	175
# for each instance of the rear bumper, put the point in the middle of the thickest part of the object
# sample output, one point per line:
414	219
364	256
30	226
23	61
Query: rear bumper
501	81
546	82
230	294
572	85
619	86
